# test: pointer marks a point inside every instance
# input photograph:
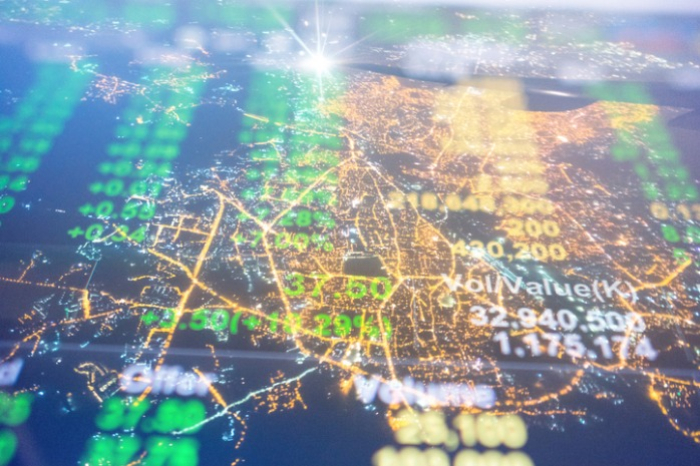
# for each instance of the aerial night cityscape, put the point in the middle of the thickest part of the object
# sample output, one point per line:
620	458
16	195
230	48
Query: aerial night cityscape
348	233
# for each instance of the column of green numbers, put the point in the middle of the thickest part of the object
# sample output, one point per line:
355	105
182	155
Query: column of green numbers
168	424
293	148
27	136
657	163
314	145
147	141
264	130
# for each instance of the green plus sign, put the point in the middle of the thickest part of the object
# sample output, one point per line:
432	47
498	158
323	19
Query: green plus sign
86	209
251	322
95	188
75	232
105	168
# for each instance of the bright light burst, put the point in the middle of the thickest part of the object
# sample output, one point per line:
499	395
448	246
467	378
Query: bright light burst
318	63
314	56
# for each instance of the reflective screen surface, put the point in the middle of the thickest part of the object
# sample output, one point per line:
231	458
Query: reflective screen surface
348	234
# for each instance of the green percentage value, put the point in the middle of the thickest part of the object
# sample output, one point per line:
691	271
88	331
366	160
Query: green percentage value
216	320
305	218
283	240
342	326
223	320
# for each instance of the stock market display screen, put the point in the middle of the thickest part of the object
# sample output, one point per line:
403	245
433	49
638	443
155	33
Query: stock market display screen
347	234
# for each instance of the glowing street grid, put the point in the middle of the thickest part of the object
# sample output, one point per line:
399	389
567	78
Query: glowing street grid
462	268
